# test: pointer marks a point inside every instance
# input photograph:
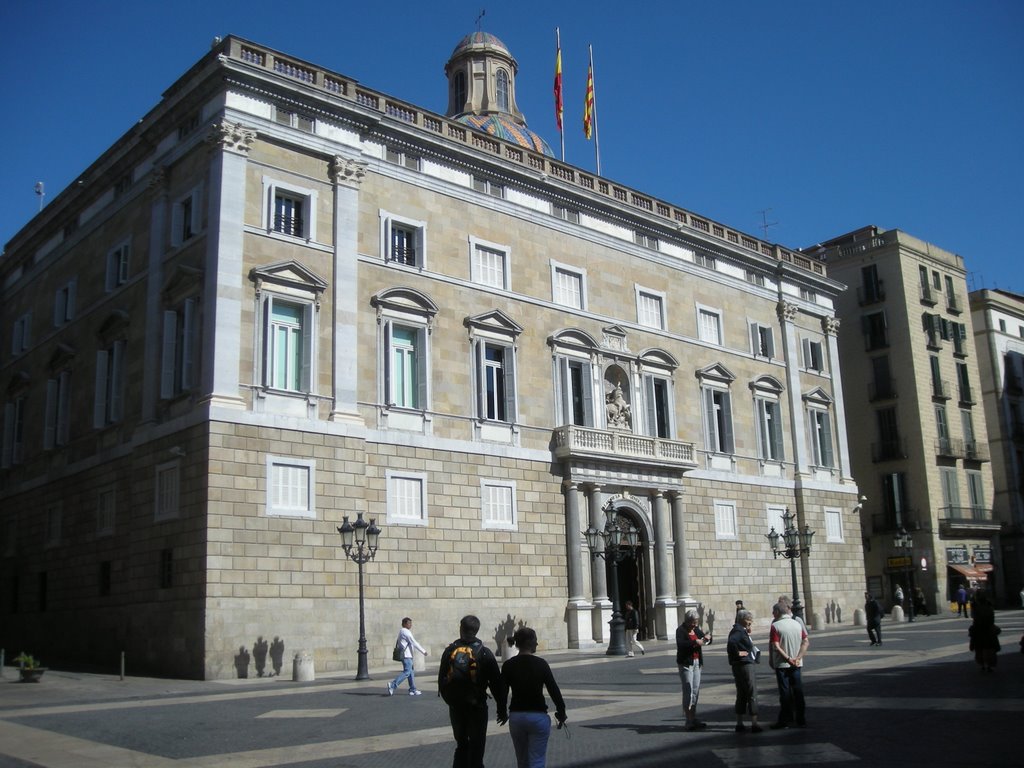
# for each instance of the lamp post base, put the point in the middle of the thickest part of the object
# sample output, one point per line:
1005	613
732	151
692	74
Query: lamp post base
616	636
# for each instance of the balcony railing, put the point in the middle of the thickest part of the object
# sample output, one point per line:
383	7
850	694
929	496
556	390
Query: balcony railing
965	514
882	390
888	450
940	390
949	447
975	451
871	293
885	522
927	295
953	303
587	442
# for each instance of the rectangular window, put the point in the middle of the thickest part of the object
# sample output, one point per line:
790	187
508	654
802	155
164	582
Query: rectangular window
488	187
106	510
496	380
405	366
808	294
565	213
64	304
647	241
108	406
186	217
288	344
403	241
179	364
117	266
21	334
950	491
291	487
894	499
814	359
769	429
650	308
882	385
568	286
57	424
963	380
14	433
294	119
718	420
755	278
725	520
400	157
289	209
871	286
498	505
706	260
876	334
490	264
939	388
406	498
821	437
762	340
834	526
709	325
576	392
889	444
976	495
936	281
657	407
167	490
289	215
959	339
775	518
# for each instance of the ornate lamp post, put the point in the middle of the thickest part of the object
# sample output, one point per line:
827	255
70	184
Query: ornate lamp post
359	540
791	544
617	542
904	543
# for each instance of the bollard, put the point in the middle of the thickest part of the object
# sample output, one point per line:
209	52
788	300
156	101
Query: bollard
897	614
302	667
2	651
122	665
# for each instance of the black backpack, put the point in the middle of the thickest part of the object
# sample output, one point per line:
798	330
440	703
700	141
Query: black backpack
459	684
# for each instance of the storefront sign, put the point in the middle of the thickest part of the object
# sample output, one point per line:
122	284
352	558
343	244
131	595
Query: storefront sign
898	562
957	556
983	554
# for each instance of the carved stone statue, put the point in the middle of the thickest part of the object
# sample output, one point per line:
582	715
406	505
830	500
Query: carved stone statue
617	409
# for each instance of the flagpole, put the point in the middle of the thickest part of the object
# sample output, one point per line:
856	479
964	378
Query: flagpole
597	138
558	87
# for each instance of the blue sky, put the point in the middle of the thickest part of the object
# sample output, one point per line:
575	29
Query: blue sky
907	114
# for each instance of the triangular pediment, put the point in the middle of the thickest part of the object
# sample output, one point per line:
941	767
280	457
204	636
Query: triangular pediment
291	274
496	321
818	395
183	279
716	372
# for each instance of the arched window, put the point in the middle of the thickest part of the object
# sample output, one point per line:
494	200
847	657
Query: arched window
459	92
502	90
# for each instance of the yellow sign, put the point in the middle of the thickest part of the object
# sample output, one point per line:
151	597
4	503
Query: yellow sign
898	562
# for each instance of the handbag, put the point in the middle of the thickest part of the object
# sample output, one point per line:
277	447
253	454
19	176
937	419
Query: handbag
399	653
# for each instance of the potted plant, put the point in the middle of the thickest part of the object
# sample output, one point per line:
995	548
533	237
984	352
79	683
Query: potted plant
29	668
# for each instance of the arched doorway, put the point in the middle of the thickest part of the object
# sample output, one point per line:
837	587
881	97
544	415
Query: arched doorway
633	573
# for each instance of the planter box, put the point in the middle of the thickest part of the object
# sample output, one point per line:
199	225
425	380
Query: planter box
31	675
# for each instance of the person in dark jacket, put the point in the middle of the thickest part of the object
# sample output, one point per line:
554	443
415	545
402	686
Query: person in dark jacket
983	632
632	618
690	642
527	675
743	654
873	615
467	709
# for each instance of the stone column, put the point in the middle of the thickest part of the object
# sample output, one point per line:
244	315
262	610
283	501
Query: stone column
578	609
663	597
830	325
347	175
681	560
791	346
602	605
222	288
154	286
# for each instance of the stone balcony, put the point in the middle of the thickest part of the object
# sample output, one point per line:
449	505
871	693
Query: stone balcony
575	443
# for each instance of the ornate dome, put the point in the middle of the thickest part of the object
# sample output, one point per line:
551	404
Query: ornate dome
504	127
479	39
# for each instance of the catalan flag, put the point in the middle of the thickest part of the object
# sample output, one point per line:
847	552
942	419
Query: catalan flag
558	81
588	103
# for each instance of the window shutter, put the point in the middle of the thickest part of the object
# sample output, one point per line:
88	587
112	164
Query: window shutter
50	423
388	393
709	417
122	264
565	390
826	438
177	213
650	407
770	336
190	344
727	443
8	447
268	344
99	409
509	370
776	429
72	289
422	379
108	283
117	381
480	377
808	363
588	395
755	339
64	408
306	350
197	218
167	354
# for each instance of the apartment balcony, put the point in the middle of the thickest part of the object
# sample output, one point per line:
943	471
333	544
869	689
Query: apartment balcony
871	294
949	448
953	304
967	522
966	397
885	522
888	450
975	451
882	390
941	390
928	295
587	443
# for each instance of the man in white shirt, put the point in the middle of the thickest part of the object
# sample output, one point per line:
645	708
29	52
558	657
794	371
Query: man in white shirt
407	643
787	644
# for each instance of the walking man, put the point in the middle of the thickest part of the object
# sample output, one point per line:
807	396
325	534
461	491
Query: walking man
873	614
788	643
407	643
961	602
468	669
632	617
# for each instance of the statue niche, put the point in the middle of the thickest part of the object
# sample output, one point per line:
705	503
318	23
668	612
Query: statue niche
618	413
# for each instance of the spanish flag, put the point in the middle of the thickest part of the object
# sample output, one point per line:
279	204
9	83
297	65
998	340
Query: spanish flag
558	81
588	103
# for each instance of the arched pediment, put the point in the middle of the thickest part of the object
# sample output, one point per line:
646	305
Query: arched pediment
659	357
61	357
404	300
115	324
716	372
573	337
19	383
767	384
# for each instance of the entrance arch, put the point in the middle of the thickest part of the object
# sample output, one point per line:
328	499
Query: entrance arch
634	573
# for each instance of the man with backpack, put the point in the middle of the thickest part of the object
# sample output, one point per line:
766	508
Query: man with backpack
467	670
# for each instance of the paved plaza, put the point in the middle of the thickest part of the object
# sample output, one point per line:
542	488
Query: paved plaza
919	700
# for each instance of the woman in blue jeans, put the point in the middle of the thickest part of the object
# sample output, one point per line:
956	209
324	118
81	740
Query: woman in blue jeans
526	675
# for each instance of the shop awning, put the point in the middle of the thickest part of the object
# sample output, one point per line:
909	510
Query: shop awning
972	572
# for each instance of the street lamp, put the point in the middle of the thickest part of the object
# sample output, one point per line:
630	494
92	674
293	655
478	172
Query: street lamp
617	542
359	540
904	543
791	544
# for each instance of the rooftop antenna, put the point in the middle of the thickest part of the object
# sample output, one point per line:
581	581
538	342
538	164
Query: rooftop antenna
483	12
41	191
765	223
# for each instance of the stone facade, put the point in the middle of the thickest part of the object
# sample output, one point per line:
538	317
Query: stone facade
299	301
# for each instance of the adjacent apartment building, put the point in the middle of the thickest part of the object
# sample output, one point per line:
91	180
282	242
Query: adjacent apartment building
918	439
998	318
284	299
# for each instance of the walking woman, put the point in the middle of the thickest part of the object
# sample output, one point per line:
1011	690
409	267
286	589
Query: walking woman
690	642
983	632
526	675
743	654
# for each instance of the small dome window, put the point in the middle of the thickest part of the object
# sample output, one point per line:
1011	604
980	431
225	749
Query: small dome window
502	90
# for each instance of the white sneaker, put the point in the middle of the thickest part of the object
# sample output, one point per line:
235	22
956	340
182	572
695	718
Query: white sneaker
416	693
629	654
391	689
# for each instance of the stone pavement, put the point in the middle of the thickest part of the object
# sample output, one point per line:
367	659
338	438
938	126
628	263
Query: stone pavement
917	700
